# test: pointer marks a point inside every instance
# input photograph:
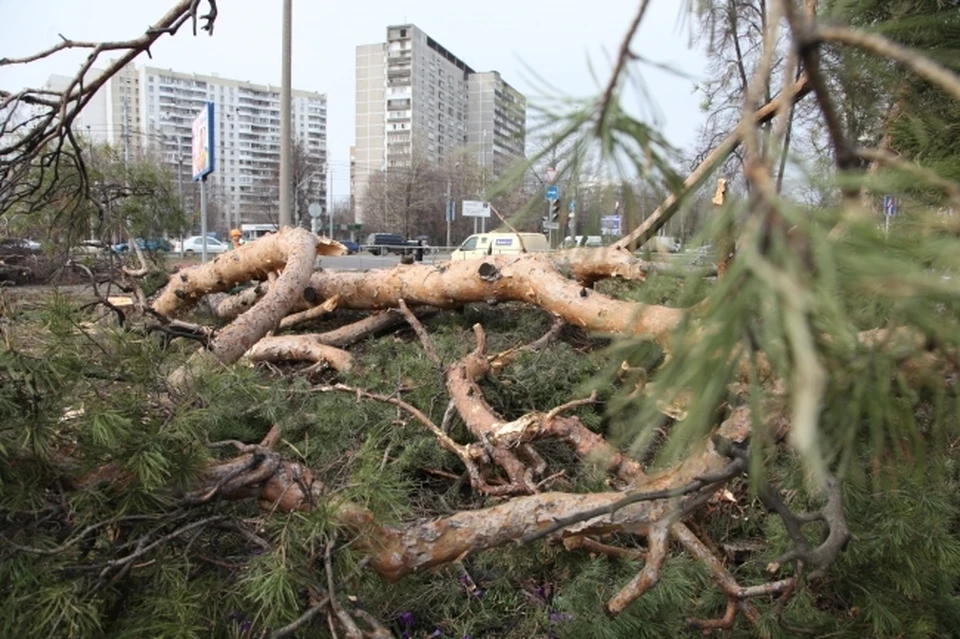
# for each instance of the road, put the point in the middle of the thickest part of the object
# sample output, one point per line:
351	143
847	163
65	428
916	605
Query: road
365	261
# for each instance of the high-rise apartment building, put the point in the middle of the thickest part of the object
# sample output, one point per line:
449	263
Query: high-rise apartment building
415	97
151	109
496	121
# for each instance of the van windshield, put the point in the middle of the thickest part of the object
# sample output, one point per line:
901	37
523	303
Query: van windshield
470	244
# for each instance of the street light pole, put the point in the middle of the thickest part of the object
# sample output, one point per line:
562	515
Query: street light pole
183	207
447	211
286	148
330	200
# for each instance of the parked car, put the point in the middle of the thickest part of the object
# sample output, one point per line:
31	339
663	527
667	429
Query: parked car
151	244
383	243
583	241
195	245
352	247
91	247
20	244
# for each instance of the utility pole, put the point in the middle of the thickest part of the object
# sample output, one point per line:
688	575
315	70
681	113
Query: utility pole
125	132
183	206
286	147
330	199
448	210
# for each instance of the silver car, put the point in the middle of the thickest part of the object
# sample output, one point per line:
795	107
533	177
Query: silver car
195	245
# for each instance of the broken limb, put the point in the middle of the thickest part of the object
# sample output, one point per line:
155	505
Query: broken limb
369	326
302	348
503	358
483	422
648	577
837	533
397	552
671	204
312	313
470	455
421	332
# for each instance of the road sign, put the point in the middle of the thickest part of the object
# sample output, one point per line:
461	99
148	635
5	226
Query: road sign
551	174
573	206
475	208
451	210
610	225
315	210
551	226
354	227
889	205
553	192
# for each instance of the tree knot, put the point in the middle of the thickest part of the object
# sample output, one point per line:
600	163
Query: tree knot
488	272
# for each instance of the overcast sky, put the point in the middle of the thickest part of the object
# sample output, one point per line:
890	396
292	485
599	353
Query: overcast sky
559	41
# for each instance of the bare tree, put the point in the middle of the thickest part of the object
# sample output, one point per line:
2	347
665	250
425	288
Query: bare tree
37	143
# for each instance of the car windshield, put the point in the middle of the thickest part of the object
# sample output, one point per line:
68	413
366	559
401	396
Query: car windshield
469	245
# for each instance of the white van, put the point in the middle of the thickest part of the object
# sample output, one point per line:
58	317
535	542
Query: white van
483	244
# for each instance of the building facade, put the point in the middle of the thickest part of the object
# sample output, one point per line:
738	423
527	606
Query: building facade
416	98
152	110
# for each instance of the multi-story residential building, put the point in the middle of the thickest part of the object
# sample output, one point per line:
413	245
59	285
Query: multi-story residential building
247	135
370	145
496	121
416	98
151	109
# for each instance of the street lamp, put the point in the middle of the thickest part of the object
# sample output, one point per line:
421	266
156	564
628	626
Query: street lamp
451	207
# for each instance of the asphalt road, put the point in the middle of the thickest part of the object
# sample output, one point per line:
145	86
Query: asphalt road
365	261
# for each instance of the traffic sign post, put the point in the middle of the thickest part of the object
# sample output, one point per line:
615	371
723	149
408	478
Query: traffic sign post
889	211
552	192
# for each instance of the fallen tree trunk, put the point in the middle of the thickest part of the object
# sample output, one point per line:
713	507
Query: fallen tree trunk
585	265
291	249
530	278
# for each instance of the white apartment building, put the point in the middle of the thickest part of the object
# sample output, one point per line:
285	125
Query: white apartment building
416	97
151	109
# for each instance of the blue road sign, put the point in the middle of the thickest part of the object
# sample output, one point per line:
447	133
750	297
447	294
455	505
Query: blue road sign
573	206
889	205
553	192
451	210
